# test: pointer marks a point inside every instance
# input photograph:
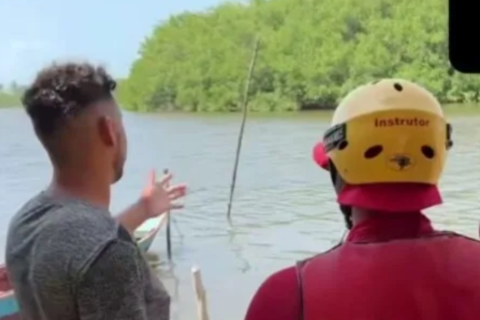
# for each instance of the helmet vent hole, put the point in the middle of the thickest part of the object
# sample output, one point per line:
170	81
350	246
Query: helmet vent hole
373	152
398	87
342	145
428	152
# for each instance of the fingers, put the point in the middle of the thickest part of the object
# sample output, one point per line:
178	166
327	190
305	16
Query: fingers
165	180
174	192
177	188
176	195
152	177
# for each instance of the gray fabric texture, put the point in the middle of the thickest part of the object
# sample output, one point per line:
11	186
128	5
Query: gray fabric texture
69	260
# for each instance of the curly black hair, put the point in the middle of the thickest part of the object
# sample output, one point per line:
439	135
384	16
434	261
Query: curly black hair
62	91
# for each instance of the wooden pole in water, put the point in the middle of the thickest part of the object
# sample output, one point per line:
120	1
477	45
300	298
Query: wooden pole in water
169	235
200	295
242	126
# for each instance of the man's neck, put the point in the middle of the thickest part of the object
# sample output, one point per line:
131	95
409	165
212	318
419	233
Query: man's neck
81	185
385	226
359	215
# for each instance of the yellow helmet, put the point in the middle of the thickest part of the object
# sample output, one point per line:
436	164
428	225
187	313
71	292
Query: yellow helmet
390	131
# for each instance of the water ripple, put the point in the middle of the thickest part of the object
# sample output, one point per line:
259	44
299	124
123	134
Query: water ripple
284	207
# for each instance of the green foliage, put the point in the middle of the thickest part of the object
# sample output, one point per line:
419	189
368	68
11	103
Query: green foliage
8	100
10	95
312	53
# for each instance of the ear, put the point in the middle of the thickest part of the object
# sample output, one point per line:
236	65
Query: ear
107	131
320	156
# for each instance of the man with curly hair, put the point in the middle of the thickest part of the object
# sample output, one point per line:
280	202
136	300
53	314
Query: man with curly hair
67	258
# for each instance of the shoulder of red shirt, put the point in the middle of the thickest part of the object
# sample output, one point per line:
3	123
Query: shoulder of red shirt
277	298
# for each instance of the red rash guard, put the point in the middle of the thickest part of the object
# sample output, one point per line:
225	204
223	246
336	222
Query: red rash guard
278	298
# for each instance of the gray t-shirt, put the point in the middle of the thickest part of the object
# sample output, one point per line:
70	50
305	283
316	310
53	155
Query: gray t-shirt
69	260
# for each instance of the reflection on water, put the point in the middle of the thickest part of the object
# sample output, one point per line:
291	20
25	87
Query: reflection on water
283	211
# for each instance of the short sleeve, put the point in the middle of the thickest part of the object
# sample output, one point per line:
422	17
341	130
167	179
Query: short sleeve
113	285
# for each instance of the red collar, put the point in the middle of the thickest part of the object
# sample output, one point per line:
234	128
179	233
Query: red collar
391	227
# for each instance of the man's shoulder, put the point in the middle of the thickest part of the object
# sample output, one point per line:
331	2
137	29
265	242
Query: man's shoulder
69	230
285	279
64	217
277	298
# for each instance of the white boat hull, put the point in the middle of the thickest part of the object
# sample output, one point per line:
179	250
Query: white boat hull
147	232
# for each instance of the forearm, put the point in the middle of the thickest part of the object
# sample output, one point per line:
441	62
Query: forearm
132	217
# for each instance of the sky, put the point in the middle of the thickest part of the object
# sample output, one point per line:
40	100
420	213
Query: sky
33	33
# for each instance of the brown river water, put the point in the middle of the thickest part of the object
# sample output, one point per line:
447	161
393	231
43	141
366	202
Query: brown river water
284	207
